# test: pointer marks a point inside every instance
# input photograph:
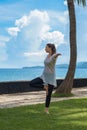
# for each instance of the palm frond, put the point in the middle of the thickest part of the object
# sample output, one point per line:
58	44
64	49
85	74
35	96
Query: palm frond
83	2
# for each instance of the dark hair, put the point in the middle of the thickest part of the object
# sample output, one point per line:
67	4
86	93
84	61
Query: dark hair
52	46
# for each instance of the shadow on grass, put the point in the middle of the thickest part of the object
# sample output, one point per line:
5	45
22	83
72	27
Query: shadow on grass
64	115
62	95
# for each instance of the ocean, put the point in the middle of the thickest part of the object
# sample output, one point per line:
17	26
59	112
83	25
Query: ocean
33	72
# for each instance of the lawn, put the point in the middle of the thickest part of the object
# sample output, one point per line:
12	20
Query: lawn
64	115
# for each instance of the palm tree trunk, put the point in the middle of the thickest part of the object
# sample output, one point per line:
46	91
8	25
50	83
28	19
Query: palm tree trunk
66	85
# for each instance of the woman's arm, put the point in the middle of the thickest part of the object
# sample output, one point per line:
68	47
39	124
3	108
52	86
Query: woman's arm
56	55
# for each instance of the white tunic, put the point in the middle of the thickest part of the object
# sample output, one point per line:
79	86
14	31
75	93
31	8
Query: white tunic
48	76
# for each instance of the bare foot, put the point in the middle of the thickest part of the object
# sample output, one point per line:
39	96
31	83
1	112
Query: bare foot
47	111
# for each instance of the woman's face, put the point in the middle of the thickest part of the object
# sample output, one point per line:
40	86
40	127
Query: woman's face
47	49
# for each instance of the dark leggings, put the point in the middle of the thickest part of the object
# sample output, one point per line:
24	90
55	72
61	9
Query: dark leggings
38	82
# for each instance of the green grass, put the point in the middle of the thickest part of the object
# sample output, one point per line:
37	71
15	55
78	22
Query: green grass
64	115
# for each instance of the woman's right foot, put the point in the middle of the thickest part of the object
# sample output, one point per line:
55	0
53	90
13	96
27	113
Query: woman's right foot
47	111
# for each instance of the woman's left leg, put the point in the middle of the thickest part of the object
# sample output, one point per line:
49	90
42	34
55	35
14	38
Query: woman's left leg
48	96
37	82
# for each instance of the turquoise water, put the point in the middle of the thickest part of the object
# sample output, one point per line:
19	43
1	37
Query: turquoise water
30	73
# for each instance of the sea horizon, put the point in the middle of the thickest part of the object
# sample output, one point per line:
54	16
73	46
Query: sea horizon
29	73
82	64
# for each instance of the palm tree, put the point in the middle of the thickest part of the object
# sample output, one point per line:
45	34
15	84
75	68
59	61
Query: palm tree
66	85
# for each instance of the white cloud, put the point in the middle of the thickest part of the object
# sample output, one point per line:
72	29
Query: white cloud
39	15
34	32
55	37
40	53
64	18
13	31
36	57
22	22
65	2
59	17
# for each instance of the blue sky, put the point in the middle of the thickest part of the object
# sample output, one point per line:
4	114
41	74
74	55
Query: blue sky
27	25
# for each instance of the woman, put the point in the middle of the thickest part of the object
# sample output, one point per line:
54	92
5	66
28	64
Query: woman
48	77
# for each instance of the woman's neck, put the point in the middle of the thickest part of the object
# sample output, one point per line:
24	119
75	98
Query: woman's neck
50	54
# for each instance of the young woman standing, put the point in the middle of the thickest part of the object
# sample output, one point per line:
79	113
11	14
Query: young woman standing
48	77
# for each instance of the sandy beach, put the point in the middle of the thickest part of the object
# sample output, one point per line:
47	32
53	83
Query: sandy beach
37	97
